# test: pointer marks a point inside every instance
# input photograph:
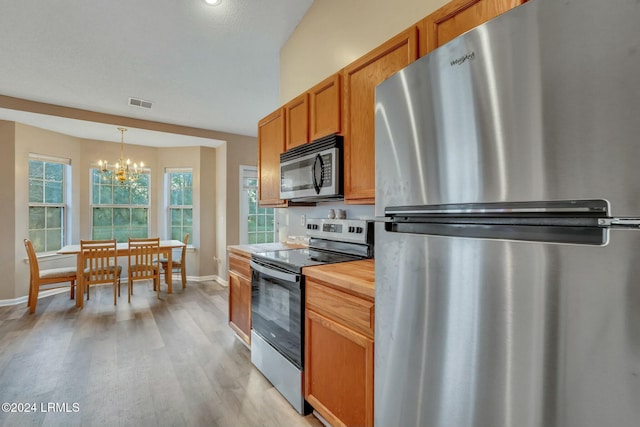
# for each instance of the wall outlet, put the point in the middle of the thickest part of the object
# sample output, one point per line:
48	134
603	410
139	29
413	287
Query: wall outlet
303	220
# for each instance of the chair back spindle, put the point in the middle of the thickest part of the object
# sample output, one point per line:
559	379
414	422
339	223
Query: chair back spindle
100	263
143	256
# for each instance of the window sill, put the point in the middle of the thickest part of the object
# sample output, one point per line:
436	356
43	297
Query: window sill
49	256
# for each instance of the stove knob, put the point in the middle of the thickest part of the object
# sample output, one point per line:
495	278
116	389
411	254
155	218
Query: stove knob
308	226
351	229
359	230
315	226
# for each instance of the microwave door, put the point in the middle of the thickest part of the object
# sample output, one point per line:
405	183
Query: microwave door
313	176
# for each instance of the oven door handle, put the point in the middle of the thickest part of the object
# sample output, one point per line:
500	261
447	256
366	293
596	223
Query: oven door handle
276	274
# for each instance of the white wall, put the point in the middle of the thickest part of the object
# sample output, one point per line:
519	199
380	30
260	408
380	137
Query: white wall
334	33
7	210
222	201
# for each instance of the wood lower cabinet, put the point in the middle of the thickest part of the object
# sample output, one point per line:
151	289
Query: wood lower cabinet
325	108
297	121
240	296
271	143
339	351
360	79
457	17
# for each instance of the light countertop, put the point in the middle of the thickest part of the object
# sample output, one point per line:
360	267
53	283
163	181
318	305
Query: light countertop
354	277
248	249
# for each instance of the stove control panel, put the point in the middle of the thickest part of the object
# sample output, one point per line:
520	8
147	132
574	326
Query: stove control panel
344	230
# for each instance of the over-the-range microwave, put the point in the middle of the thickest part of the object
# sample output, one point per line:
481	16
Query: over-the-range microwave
313	172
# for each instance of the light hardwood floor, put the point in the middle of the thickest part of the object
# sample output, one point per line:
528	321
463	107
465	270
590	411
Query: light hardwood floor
169	362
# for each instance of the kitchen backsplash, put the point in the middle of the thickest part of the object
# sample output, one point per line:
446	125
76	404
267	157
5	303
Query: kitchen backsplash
291	224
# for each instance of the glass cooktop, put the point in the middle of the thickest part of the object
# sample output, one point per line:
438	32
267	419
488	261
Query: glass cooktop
295	259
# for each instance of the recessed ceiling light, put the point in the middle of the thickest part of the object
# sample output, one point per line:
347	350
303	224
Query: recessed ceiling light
213	2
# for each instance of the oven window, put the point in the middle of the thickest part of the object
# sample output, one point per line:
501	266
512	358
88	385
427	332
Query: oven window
274	306
277	314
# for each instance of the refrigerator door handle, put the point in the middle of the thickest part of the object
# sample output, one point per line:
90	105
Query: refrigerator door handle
588	207
619	222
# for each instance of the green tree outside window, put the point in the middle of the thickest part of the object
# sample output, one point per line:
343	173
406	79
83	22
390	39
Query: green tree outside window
47	204
119	211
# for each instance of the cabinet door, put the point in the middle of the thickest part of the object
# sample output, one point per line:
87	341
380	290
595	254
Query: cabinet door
360	80
297	121
457	17
325	99
270	146
240	306
338	372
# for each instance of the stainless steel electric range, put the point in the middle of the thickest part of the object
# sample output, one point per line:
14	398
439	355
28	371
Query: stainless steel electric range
277	299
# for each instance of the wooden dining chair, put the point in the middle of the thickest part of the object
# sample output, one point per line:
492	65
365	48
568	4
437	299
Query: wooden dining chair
143	262
50	276
177	265
100	261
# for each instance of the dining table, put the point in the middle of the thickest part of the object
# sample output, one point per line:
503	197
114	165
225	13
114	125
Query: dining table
122	249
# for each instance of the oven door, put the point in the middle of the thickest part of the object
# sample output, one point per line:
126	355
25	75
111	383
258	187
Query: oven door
277	309
314	175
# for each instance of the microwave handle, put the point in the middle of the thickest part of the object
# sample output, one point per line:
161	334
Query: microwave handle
317	185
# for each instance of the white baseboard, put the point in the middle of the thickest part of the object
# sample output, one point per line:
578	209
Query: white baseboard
49	292
24	299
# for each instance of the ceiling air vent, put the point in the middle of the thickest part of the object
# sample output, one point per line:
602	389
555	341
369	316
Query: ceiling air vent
137	102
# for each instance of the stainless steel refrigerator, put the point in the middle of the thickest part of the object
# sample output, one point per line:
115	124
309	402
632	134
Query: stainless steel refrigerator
508	206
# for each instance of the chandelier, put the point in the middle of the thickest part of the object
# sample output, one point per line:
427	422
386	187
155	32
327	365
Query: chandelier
123	171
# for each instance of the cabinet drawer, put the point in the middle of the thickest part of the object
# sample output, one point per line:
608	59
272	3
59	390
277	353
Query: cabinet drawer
240	266
352	311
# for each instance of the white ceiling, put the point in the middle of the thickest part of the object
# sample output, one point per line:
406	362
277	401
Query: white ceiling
202	66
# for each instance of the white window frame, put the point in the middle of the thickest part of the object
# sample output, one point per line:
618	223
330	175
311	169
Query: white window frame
249	172
169	206
92	206
66	197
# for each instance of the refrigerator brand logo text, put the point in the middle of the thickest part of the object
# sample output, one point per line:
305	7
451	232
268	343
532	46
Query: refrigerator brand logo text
462	59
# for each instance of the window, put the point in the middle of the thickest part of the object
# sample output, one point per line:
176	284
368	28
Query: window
257	224
119	211
47	208
180	202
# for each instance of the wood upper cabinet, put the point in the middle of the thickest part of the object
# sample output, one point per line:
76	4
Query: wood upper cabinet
339	355
297	121
457	17
315	113
325	100
240	296
360	79
271	143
